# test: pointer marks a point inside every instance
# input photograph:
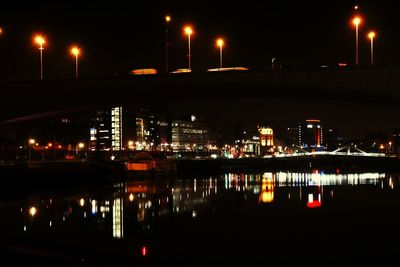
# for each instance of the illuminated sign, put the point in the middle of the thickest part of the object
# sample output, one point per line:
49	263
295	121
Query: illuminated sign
266	131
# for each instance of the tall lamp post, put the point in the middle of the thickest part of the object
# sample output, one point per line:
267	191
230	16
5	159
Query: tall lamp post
31	142
167	21
189	32
356	22
40	41
75	51
80	149
220	44
372	36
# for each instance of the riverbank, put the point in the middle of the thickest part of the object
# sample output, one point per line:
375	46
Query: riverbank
97	171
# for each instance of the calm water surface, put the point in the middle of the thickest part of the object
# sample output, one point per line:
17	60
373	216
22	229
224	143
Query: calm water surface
267	218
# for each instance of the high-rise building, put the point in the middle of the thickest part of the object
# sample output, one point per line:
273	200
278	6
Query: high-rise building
111	129
120	128
311	134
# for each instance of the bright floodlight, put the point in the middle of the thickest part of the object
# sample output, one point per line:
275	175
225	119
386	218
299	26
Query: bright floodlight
167	18
220	42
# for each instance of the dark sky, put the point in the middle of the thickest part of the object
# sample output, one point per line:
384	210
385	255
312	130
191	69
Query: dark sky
117	37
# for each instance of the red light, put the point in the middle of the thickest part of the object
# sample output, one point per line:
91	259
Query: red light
314	204
144	251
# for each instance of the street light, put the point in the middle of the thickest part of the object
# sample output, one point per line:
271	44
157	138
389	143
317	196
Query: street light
40	41
356	22
372	36
80	148
75	51
189	32
220	44
31	142
167	21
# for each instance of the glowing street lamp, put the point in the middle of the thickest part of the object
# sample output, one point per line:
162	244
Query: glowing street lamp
220	44
75	51
356	22
189	32
372	36
32	211
40	41
31	142
167	21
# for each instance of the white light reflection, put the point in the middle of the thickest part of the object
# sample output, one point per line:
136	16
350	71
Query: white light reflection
321	179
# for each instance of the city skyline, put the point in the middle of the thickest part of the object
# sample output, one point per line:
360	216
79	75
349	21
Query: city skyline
116	40
177	133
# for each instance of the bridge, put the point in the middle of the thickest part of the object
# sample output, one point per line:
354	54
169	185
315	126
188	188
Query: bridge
348	151
378	86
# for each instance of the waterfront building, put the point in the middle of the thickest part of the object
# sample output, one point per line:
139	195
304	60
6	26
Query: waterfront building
250	144
266	139
191	135
311	134
122	128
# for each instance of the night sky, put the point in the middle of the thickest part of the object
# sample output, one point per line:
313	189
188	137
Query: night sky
117	37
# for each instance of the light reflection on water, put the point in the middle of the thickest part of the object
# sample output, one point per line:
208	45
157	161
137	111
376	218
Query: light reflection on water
126	209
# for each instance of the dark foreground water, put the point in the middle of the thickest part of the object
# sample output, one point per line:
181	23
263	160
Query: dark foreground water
265	219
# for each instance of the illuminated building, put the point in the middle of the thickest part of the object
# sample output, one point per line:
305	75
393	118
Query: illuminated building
154	131
311	134
106	133
249	144
266	139
266	136
116	129
122	128
190	135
